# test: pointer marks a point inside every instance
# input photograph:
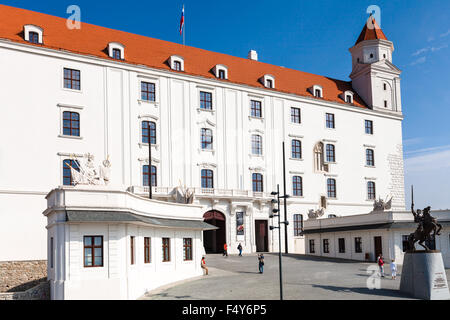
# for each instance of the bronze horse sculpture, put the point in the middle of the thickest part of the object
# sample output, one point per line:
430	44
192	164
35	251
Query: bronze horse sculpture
427	225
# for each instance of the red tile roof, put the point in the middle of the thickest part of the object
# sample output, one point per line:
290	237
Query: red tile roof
374	33
139	50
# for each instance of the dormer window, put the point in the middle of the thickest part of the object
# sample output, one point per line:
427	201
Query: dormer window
220	71
33	34
317	91
347	96
176	63
116	50
268	81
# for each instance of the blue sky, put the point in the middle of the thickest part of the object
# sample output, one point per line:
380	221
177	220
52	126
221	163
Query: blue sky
314	36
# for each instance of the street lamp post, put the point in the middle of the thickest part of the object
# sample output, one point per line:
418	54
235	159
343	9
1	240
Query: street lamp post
276	213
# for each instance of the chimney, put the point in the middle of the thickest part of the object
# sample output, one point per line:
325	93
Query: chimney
252	55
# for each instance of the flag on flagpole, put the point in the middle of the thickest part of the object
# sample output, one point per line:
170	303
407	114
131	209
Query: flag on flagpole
182	21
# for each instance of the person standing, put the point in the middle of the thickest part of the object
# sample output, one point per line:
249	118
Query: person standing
381	265
240	249
225	250
261	263
393	269
204	266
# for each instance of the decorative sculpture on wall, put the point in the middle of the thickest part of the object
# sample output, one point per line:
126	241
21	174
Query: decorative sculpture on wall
314	214
183	195
87	173
381	205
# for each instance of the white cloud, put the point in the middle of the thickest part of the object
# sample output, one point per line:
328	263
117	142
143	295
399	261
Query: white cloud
419	61
434	49
429	159
445	34
420	51
427	150
412	141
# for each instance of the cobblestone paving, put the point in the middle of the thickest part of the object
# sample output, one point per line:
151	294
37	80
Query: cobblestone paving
304	278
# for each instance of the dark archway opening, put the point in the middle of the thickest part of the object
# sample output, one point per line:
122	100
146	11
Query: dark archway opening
213	240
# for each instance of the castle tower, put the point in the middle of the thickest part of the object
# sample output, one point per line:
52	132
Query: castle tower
374	77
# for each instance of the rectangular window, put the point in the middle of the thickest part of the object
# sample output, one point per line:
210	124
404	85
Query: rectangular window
341	245
72	79
297	186
93	251
371	195
177	65
269	84
52	255
145	176
148	91
187	249
330	121
221	74
117	54
311	247
298	225
255	109
385	103
257	180
148	132
295	115
331	188
67	172
358	245
165	249
147	252
296	149
370	158
207	177
206	139
132	249
205	100
256	144
71	124
369	126
326	246
33	37
331	153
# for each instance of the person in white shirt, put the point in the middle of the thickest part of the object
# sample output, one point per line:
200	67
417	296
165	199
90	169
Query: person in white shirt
393	269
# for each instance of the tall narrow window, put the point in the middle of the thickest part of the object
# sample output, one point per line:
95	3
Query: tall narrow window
71	124
257	182
385	103
93	251
371	194
295	115
370	158
52	255
187	249
269	83
72	79
255	109
148	132
358	245
330	120
221	74
256	144
177	65
296	149
148	91
311	246
145	175
67	173
341	245
348	99
298	225
207	179
165	249
297	186
331	153
132	249
117	54
369	126
326	246
318	93
147	252
205	100
206	139
33	37
331	188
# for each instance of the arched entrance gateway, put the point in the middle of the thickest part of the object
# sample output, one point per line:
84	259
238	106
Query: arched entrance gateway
213	240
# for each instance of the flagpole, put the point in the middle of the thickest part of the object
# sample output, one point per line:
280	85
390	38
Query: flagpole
184	28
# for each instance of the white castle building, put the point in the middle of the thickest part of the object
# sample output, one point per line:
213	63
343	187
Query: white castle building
216	124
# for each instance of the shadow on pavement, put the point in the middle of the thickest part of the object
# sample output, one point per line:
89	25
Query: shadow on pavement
376	292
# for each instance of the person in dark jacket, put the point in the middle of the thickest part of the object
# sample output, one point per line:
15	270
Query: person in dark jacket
240	250
261	263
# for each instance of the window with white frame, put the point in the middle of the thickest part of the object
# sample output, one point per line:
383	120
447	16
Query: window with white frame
255	109
206	100
297	186
371	192
256	144
296	149
295	115
206	139
176	63
370	158
221	71
317	91
33	34
148	91
116	50
268	81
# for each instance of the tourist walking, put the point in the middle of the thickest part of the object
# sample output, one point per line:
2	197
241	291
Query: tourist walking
204	266
261	263
225	250
393	269
240	249
381	264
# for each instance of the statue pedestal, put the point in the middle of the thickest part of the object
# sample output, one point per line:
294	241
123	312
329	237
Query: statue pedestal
423	276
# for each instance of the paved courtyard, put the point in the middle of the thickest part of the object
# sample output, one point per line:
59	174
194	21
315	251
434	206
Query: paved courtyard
304	278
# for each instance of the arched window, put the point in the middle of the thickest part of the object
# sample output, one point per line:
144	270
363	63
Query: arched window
145	175
331	188
371	190
207	179
67	173
297	186
257	182
256	144
71	124
148	132
296	149
370	158
206	139
331	154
